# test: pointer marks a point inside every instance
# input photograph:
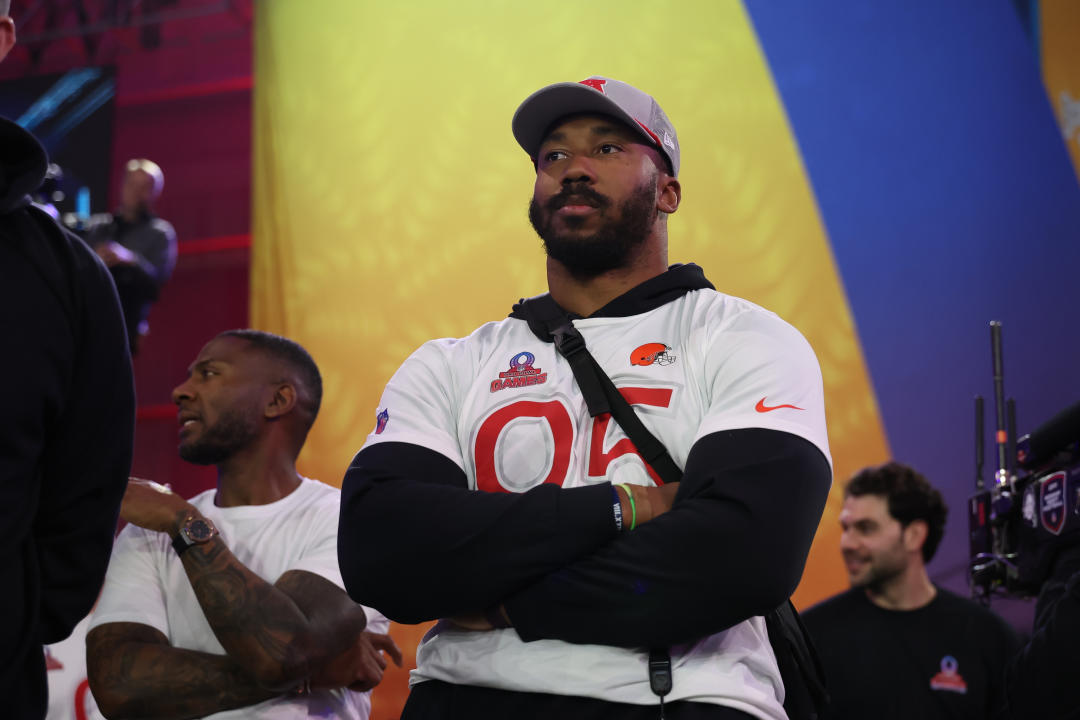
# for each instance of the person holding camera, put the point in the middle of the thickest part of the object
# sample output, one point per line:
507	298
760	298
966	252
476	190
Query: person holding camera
1041	680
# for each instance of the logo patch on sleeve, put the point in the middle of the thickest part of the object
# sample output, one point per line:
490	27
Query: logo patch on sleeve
521	373
381	419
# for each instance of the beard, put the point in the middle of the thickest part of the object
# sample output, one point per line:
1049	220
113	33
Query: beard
882	570
232	432
612	245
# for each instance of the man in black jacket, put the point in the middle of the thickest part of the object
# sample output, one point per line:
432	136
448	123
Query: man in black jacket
66	430
555	552
1040	682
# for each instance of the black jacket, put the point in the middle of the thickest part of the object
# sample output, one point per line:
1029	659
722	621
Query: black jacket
66	427
1040	682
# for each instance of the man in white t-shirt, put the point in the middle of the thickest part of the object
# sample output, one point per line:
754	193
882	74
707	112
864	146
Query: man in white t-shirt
231	605
556	554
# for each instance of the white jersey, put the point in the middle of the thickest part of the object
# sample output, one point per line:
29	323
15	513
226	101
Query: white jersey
69	690
703	363
146	583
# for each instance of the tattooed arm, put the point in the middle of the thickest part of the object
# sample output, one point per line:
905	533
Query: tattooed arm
134	672
261	626
275	636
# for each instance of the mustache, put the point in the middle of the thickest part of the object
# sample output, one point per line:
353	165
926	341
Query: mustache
578	194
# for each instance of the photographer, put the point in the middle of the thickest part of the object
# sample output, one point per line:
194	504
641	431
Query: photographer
1040	682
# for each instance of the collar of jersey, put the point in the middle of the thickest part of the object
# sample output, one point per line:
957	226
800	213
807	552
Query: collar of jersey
672	284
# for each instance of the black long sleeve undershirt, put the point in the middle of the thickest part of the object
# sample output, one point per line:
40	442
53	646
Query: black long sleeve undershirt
455	550
733	546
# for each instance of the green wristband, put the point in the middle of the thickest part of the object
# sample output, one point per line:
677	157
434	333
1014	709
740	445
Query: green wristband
633	510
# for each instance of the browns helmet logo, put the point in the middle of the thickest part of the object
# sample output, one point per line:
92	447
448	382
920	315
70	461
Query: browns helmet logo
650	353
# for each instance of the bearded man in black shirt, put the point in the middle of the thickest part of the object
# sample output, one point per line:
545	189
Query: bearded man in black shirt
895	645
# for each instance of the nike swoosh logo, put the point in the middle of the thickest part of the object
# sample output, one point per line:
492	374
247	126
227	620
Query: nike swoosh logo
761	407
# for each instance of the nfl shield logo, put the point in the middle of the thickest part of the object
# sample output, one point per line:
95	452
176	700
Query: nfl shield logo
1052	502
381	419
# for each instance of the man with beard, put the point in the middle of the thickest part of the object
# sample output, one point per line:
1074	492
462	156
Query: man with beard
234	601
554	553
895	645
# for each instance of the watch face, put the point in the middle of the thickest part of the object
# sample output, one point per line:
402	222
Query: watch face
198	530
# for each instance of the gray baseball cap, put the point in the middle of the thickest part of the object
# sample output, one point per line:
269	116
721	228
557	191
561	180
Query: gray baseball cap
539	111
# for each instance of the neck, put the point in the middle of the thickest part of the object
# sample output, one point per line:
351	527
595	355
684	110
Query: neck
584	297
256	476
909	590
132	214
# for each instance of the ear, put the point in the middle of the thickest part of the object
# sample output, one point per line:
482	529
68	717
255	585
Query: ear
7	35
668	193
282	401
915	535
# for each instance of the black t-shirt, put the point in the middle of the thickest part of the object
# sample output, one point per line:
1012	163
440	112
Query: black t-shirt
944	660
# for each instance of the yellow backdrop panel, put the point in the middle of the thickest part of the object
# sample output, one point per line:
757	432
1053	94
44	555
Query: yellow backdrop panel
1060	27
390	197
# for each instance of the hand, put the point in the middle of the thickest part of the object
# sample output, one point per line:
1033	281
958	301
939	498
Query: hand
471	621
361	666
376	644
649	502
153	506
113	253
494	619
660	499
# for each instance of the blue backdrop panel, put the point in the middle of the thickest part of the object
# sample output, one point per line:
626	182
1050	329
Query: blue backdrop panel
949	201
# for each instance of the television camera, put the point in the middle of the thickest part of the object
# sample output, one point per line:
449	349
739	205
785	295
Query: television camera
1030	509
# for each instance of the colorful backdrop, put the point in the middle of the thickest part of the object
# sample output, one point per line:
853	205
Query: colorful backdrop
887	176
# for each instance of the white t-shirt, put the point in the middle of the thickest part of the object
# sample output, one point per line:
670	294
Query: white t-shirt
69	692
146	583
700	364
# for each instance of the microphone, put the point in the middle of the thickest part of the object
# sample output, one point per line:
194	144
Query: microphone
1042	443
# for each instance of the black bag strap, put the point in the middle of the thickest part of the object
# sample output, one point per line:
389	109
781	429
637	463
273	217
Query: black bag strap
601	396
794	651
589	376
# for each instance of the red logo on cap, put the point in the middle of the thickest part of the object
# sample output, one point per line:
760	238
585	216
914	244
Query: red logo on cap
595	83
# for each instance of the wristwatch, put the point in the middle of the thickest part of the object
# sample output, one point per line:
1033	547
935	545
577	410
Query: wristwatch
195	530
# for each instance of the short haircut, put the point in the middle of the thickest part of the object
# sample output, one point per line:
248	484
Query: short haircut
149	167
5	7
297	359
910	497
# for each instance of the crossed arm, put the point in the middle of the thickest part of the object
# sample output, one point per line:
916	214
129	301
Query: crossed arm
134	672
275	636
732	546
